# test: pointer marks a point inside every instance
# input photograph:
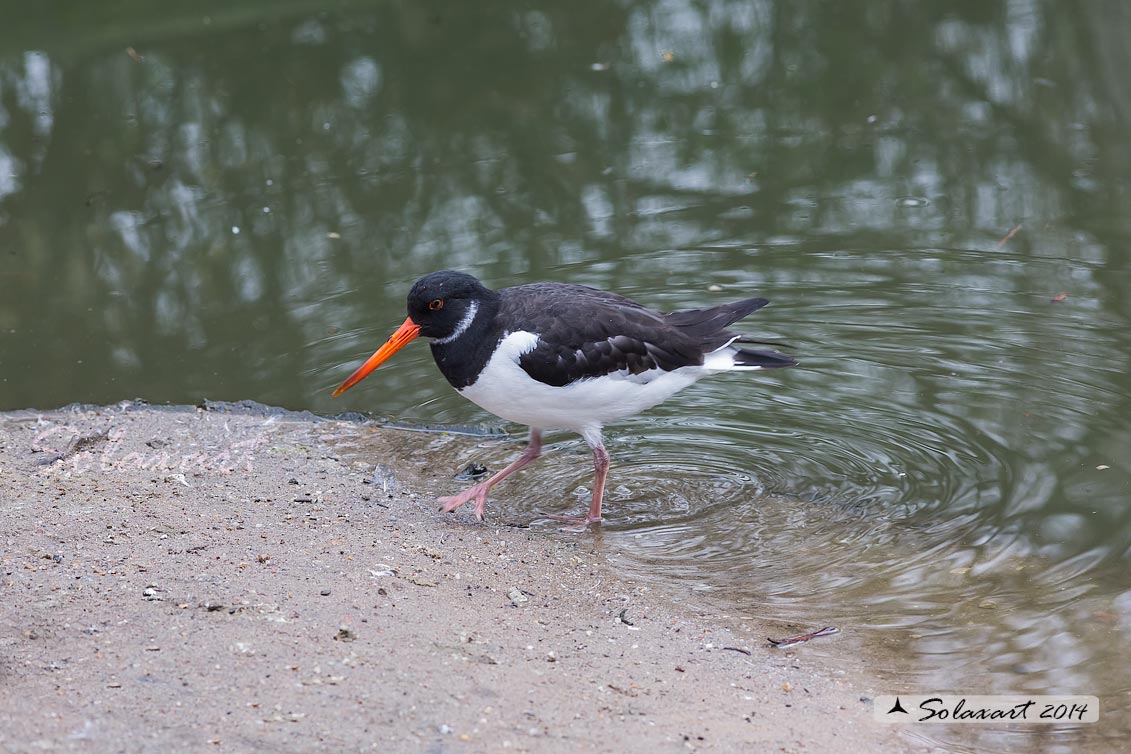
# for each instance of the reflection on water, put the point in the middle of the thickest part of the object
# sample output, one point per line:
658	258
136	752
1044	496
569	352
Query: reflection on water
232	202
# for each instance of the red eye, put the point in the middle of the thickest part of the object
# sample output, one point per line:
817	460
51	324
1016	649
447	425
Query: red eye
436	304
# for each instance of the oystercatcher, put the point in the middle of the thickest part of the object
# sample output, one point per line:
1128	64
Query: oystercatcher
561	356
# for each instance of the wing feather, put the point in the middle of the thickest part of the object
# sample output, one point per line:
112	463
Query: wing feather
585	333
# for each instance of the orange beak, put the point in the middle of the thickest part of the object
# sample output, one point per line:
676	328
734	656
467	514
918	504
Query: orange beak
396	342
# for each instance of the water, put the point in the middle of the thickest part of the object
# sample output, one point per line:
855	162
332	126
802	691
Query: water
230	202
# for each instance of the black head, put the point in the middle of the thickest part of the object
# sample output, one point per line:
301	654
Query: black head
440	302
441	306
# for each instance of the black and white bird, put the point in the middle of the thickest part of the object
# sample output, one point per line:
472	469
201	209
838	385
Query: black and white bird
562	356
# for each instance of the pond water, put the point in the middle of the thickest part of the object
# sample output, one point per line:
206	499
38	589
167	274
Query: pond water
231	202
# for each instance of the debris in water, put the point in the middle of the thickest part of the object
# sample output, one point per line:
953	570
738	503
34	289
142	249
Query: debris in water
1008	236
801	639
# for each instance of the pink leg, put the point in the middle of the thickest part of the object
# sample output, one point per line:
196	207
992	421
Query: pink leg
478	493
601	471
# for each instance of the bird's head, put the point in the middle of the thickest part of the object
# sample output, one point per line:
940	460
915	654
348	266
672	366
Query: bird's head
441	306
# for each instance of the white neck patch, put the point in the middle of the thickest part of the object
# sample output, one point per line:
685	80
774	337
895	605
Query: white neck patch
461	328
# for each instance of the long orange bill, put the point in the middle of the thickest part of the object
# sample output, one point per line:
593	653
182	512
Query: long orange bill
396	342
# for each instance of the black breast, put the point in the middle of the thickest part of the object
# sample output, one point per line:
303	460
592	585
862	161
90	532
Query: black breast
463	359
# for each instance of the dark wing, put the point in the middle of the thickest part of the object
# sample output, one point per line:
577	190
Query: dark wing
585	333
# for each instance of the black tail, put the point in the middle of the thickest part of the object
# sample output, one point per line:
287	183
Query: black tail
746	357
709	326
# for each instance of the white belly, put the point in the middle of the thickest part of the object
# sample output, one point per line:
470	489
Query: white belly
507	391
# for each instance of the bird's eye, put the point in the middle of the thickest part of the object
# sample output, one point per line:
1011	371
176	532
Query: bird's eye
436	304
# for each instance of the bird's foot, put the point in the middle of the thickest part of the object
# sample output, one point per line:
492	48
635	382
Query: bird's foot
478	493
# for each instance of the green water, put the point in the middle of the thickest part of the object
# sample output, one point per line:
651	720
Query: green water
230	201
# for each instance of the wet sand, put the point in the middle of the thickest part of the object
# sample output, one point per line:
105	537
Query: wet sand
239	579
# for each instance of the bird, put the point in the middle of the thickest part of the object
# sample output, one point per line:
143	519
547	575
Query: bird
564	356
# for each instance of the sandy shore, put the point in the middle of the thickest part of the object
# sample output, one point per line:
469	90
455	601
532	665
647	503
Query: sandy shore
240	580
